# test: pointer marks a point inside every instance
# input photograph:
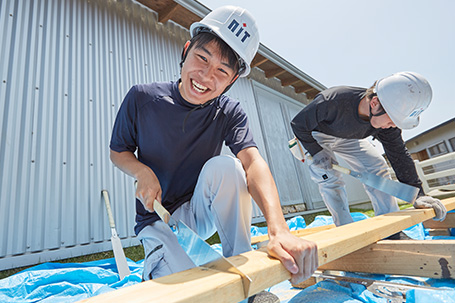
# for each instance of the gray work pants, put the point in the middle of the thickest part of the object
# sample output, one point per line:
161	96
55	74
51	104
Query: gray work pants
220	202
361	156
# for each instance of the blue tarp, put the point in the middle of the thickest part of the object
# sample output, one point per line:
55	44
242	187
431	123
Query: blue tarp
66	282
339	291
71	282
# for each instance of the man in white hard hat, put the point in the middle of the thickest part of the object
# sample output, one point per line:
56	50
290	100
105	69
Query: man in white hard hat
337	123
178	129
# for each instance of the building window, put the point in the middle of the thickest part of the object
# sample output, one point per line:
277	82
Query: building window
438	149
452	143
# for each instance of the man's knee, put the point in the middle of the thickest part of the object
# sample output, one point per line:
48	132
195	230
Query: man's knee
223	168
222	163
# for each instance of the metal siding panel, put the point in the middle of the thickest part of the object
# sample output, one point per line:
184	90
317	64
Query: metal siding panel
12	158
5	142
5	37
67	67
242	91
310	189
275	129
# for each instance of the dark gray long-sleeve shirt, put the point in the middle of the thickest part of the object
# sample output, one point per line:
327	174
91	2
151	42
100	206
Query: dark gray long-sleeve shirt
335	112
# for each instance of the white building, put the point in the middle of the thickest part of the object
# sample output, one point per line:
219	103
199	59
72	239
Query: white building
64	70
434	154
434	142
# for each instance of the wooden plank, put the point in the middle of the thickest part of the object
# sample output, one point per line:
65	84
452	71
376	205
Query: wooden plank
167	12
439	232
209	285
425	258
274	72
290	81
298	233
258	60
449	222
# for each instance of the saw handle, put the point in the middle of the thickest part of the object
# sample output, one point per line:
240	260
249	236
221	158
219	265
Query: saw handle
162	212
108	208
341	169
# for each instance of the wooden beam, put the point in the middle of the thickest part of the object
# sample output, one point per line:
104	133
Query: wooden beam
439	232
290	82
167	12
302	89
274	72
425	258
258	62
311	93
305	89
202	284
449	222
298	233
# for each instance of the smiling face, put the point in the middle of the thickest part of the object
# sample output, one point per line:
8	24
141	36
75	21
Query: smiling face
205	73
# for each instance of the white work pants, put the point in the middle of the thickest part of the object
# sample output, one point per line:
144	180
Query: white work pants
361	156
220	202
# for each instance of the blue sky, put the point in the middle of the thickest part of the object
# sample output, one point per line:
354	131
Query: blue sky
355	42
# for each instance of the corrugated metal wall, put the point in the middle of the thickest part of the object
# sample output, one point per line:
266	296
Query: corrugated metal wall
66	66
276	112
64	70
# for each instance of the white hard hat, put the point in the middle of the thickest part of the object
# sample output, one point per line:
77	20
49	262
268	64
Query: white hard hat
404	96
235	26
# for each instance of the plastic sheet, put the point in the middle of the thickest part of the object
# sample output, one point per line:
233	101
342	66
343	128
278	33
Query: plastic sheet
339	291
66	282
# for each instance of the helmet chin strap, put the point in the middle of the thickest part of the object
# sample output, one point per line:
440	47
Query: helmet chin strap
185	52
232	83
209	102
382	112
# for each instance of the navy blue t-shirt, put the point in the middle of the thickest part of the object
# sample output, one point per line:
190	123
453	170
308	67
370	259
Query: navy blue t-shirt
175	138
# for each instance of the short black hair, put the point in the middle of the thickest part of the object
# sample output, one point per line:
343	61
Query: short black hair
205	37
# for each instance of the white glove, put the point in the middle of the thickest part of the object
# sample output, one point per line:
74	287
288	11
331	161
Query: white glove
324	160
430	202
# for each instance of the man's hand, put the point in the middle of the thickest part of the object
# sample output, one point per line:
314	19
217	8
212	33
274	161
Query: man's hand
430	202
324	160
148	186
299	257
148	189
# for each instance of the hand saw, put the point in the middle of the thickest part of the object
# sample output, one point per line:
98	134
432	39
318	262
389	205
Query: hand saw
402	191
119	254
199	251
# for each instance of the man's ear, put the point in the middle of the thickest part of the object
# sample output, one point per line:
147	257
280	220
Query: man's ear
185	48
374	102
